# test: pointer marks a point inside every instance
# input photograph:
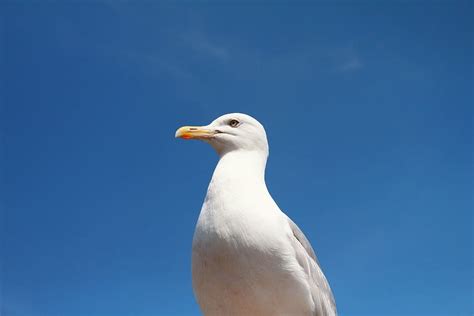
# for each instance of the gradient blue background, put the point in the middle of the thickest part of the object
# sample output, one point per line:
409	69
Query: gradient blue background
368	107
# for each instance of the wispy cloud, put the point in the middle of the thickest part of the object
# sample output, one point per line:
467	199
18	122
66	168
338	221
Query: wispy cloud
153	62
352	64
178	59
172	67
202	44
347	59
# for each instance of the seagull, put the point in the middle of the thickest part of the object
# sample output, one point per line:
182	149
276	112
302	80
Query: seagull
248	257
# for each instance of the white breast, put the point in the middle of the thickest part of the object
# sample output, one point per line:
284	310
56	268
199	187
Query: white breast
242	261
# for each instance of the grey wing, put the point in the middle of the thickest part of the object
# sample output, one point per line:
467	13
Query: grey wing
320	290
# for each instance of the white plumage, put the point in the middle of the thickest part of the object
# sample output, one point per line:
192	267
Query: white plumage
248	257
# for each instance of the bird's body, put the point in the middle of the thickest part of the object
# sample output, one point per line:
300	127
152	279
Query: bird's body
248	257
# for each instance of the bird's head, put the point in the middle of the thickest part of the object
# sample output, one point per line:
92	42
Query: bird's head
230	132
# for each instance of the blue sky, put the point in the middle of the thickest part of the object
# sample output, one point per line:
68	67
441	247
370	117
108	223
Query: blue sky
368	109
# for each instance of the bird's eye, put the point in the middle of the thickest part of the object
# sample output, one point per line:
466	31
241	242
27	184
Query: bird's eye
234	123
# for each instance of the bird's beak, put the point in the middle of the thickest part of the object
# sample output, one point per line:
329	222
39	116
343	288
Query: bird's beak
195	132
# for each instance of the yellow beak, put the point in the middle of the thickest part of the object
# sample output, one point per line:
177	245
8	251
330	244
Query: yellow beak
194	132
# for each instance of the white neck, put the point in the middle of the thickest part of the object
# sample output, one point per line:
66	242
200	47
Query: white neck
238	175
241	165
234	197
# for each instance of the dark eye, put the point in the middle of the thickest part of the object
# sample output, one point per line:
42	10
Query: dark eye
234	123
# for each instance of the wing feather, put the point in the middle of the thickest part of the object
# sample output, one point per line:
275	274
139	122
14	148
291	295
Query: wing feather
320	290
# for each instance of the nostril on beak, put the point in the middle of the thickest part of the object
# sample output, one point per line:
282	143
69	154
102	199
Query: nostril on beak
192	128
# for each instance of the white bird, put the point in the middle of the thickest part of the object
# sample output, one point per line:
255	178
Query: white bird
248	257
